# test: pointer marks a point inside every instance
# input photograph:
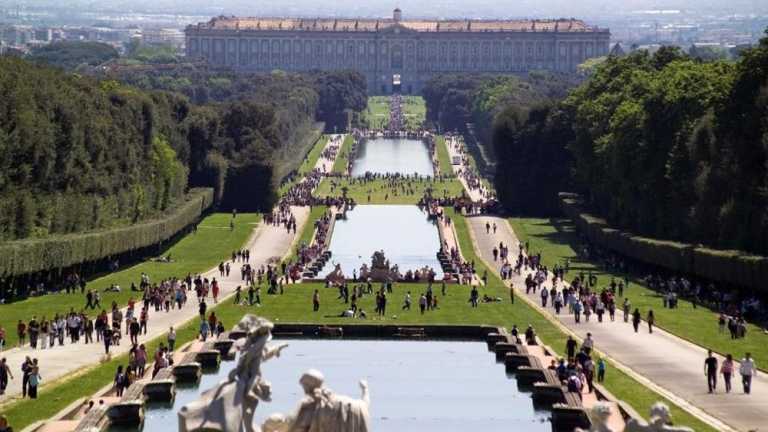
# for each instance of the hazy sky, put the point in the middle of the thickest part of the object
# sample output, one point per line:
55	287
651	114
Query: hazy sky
430	8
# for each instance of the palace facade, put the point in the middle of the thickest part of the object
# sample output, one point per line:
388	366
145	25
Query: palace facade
394	52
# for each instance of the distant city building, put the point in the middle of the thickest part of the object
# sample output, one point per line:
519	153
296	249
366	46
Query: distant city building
173	37
381	49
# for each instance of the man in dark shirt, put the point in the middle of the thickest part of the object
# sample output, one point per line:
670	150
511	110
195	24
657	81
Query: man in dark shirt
710	371
570	347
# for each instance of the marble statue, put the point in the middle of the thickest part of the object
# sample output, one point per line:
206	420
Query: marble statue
230	406
322	410
659	421
598	415
336	276
381	270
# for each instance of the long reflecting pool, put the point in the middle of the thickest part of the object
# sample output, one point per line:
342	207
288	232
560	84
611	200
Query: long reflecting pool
394	156
403	232
415	386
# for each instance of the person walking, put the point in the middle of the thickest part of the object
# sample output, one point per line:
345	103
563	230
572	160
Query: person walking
26	369
171	339
316	301
5	376
601	367
650	319
625	308
636	319
726	368
748	369
710	371
34	379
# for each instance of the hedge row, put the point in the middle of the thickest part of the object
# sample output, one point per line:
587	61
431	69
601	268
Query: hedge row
33	255
730	266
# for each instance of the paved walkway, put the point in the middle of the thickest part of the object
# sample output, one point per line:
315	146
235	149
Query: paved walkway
671	363
456	148
267	243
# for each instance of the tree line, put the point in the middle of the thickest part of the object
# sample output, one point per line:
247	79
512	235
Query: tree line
79	153
663	145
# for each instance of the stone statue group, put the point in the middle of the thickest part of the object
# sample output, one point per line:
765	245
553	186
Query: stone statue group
231	405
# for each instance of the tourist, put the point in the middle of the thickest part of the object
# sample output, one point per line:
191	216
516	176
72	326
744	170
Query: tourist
21	333
636	319
2	338
171	339
205	329
748	369
106	337
710	371
726	368
650	320
316	301
407	301
570	347
140	357
601	367
26	369
4	426
34	379
5	376
119	381
474	296
422	303
588	344
625	308
202	307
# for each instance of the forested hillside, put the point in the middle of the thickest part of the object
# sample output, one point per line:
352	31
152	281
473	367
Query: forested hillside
663	145
78	153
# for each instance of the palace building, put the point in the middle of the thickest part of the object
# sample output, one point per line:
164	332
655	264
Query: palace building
395	52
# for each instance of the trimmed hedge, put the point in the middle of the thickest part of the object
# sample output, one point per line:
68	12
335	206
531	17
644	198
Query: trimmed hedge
33	255
730	266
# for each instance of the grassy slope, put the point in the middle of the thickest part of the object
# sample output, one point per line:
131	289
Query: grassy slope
556	240
307	164
377	113
342	159
443	157
194	253
414	111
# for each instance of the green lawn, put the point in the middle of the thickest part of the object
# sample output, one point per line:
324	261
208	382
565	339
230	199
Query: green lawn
195	253
414	111
443	157
556	239
295	306
309	228
307	164
377	112
341	163
381	193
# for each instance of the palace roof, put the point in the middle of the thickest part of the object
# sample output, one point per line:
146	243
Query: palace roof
373	25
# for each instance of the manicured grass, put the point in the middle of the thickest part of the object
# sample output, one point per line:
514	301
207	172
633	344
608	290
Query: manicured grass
621	385
295	306
309	228
443	157
381	193
377	112
55	396
341	163
414	111
557	239
309	162
195	253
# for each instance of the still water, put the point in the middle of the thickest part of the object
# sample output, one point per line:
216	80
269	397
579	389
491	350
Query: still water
394	156
403	232
414	386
